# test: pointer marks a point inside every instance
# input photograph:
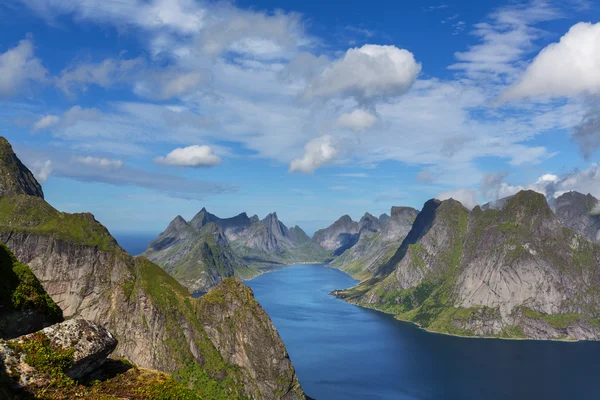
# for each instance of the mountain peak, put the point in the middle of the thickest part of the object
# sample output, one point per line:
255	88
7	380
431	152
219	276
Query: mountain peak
15	177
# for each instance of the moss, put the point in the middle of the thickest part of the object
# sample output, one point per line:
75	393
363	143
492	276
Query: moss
558	321
21	290
29	214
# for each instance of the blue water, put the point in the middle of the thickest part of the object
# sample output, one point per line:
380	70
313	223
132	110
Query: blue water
345	352
134	243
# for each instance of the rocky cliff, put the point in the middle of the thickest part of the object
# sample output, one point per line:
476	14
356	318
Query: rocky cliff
378	239
510	272
156	322
579	212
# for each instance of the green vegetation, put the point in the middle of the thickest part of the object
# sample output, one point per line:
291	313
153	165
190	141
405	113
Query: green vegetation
51	363
30	214
21	290
214	379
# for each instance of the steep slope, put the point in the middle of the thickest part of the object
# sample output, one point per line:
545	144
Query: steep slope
514	272
579	212
197	254
339	236
377	242
157	323
16	178
25	306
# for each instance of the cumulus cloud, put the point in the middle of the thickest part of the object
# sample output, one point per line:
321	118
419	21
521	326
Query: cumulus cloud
18	66
358	120
567	68
369	73
45	122
100	162
191	156
318	152
44	171
468	198
583	181
493	186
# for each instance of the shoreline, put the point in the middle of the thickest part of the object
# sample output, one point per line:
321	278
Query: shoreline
419	326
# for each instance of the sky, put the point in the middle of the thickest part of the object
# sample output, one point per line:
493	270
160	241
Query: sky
142	110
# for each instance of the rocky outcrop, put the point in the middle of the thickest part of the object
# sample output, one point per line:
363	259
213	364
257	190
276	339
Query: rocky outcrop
580	213
15	178
250	345
84	346
509	272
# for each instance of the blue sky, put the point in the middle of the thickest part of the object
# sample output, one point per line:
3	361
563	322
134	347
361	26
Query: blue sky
138	111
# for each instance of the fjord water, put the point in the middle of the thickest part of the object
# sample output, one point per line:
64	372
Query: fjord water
341	351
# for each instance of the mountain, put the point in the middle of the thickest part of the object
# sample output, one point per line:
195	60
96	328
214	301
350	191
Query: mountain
197	254
513	272
378	239
157	323
339	236
579	212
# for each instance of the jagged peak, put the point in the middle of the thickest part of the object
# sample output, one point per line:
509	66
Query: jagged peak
178	220
528	200
399	210
15	177
254	218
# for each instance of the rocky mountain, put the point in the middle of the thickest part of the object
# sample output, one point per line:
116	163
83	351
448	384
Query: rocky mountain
201	252
197	254
339	236
378	239
579	212
513	272
157	323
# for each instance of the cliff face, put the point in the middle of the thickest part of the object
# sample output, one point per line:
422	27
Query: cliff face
25	306
157	323
510	272
378	239
580	213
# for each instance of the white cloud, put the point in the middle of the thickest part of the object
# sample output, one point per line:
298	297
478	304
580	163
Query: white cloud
181	16
103	74
567	68
191	156
506	37
367	74
18	66
167	84
318	152
44	171
468	198
583	181
493	186
98	162
354	175
45	122
358	120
